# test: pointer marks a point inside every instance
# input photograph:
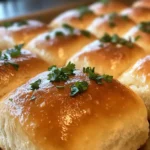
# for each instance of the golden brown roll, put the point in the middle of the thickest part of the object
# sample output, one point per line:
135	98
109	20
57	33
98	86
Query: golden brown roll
60	44
142	3
16	67
107	6
138	79
74	114
142	33
111	55
78	18
19	32
111	23
137	14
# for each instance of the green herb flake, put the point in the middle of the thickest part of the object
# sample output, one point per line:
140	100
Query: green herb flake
59	33
144	27
104	1
22	23
111	19
60	87
7	24
85	33
10	99
61	74
16	51
36	85
125	17
47	37
69	28
137	38
115	39
78	87
84	10
96	77
14	65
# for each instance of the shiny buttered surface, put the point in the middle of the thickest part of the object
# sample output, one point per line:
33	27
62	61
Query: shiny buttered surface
46	104
76	113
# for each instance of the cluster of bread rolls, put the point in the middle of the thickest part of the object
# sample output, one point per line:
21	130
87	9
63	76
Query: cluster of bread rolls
59	88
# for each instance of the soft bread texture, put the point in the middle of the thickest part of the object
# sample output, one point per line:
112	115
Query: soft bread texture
138	79
18	34
144	37
107	116
29	66
110	58
111	23
137	14
58	49
142	3
73	18
100	8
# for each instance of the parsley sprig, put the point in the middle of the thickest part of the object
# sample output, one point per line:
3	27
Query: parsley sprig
96	77
36	85
61	74
78	87
115	39
11	53
144	27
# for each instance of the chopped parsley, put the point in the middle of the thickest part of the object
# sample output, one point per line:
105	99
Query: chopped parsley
16	51
104	1
78	87
14	65
85	33
115	39
137	38
144	27
10	99
19	23
61	74
47	37
96	77
59	33
69	28
36	85
84	10
111	19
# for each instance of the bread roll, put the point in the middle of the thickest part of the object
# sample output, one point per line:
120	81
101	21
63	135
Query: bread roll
107	6
142	33
19	32
108	57
137	14
105	116
78	18
16	67
142	3
60	44
138	79
111	23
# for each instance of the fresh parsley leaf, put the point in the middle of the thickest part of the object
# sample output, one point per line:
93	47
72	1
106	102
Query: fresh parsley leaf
85	33
14	65
10	99
69	28
96	77
36	85
84	10
61	74
59	33
115	39
137	38
144	27
60	87
47	37
7	24
111	19
78	88
104	1
16	51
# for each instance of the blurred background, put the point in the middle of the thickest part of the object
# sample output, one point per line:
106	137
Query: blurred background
13	8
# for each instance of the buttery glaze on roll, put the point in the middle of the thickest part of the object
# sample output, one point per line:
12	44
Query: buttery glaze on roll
142	3
111	55
111	23
138	79
19	32
142	32
70	111
137	14
78	18
107	6
58	45
16	67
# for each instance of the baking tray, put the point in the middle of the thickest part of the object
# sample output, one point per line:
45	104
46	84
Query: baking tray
47	15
